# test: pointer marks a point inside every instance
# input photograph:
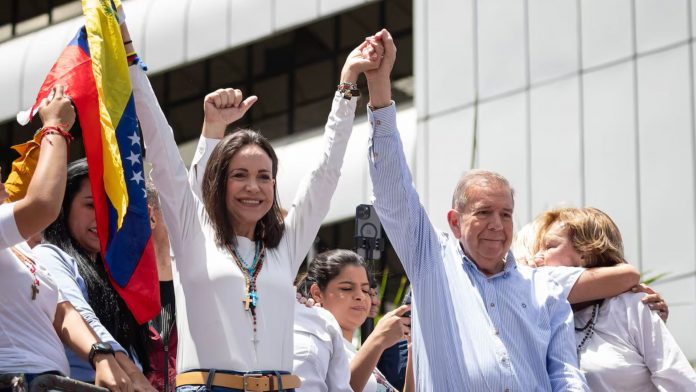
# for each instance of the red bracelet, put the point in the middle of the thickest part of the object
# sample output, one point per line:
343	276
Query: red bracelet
56	130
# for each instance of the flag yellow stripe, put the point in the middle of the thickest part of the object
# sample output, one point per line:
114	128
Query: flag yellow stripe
113	86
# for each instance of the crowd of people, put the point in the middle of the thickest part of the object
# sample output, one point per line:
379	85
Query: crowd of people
568	314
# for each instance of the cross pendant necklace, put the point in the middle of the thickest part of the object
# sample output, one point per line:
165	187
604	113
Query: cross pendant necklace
249	299
32	270
34	290
245	299
250	273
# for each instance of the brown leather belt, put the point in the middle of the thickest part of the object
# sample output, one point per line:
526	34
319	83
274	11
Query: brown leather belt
249	382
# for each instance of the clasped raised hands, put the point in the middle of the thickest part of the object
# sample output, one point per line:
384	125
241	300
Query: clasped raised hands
366	56
384	40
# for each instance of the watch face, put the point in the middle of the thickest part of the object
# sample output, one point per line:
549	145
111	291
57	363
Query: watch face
103	348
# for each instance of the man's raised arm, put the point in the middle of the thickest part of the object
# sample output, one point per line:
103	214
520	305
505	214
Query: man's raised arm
396	200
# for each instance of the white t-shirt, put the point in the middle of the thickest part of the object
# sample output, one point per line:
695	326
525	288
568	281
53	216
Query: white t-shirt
564	276
28	341
631	349
320	359
377	382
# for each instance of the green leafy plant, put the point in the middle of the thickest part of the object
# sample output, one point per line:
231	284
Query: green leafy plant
651	279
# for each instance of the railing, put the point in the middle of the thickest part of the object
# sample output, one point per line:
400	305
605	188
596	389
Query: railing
46	382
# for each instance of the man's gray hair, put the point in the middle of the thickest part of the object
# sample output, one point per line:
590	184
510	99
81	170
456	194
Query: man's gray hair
152	195
477	177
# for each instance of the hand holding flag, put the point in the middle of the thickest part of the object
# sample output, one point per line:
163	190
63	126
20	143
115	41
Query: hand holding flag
94	67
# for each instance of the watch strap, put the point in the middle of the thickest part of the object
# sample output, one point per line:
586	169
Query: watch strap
99	348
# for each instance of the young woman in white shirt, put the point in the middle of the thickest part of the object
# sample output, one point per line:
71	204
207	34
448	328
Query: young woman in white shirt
70	252
621	343
236	256
337	280
34	316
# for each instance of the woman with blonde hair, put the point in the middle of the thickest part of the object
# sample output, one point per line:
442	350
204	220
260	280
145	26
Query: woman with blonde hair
621	343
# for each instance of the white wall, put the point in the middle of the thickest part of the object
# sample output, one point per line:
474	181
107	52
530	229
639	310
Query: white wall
570	116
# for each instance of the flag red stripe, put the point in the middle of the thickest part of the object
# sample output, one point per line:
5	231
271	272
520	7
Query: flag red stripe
140	289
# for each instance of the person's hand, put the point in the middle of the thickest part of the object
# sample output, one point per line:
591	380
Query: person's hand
538	260
378	79
223	107
531	261
140	383
523	260
392	327
110	375
57	110
653	300
366	56
383	71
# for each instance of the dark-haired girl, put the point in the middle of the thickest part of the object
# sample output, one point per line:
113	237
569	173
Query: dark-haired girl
236	257
337	280
71	253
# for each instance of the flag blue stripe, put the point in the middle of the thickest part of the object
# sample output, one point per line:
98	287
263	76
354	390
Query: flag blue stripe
126	245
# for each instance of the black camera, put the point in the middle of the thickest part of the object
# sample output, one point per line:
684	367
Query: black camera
369	243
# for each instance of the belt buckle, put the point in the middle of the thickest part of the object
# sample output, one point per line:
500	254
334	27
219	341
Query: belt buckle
245	380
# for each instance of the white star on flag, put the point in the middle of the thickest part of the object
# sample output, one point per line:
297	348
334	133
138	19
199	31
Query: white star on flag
137	177
134	158
135	139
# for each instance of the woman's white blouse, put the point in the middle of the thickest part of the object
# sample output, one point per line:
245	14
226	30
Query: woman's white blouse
320	359
632	349
214	329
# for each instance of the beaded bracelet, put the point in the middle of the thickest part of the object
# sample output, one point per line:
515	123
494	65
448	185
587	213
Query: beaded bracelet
55	130
348	90
133	59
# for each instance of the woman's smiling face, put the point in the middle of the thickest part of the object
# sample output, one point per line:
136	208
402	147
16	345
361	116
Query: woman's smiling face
250	188
82	222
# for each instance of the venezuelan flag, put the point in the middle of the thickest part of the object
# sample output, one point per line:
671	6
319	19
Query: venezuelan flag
95	69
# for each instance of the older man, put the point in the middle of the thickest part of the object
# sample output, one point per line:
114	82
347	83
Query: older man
480	322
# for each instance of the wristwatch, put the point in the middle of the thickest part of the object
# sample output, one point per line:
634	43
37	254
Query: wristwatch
99	348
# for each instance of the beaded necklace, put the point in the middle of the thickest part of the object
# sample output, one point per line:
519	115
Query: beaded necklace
250	273
31	266
588	328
